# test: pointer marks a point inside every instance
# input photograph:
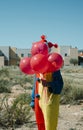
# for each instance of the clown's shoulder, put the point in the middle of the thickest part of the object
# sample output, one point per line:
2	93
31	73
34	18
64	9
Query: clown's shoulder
55	86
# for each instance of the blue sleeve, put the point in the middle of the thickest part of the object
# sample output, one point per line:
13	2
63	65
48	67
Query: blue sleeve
33	94
57	83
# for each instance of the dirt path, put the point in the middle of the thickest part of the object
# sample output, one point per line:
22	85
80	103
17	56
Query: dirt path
70	118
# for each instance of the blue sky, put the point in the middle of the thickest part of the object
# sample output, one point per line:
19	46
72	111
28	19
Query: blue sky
22	22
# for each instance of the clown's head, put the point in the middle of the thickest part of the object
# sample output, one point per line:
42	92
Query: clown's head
49	44
42	46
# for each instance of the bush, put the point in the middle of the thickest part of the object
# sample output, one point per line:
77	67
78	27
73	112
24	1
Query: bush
4	72
22	80
66	95
17	113
71	93
5	86
77	93
73	61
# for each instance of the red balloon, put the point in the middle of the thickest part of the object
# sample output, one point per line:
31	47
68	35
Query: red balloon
39	48
51	67
25	66
56	60
39	63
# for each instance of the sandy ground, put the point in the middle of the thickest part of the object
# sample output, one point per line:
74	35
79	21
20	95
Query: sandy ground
70	118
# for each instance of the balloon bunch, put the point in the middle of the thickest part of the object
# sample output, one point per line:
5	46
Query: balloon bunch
41	61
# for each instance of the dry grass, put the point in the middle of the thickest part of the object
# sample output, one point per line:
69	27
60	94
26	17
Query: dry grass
72	92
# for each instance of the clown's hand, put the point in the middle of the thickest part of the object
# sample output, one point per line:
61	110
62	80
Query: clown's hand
32	105
38	79
44	83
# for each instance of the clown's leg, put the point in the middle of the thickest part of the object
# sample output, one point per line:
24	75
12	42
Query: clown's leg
51	111
41	127
49	104
39	116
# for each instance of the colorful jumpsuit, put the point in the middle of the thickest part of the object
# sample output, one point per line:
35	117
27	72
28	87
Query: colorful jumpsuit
45	99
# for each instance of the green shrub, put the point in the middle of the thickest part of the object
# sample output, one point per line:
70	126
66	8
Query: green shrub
71	93
66	95
4	72
5	86
77	93
22	80
74	61
17	113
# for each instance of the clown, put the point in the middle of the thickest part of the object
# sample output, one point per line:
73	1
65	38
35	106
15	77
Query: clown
46	95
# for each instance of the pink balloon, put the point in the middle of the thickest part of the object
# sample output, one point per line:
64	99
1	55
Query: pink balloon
39	48
39	63
56	60
25	66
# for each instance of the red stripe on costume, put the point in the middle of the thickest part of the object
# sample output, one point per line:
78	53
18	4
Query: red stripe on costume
38	111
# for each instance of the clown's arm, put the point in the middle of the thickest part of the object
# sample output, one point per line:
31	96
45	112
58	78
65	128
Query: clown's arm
56	85
32	104
33	95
